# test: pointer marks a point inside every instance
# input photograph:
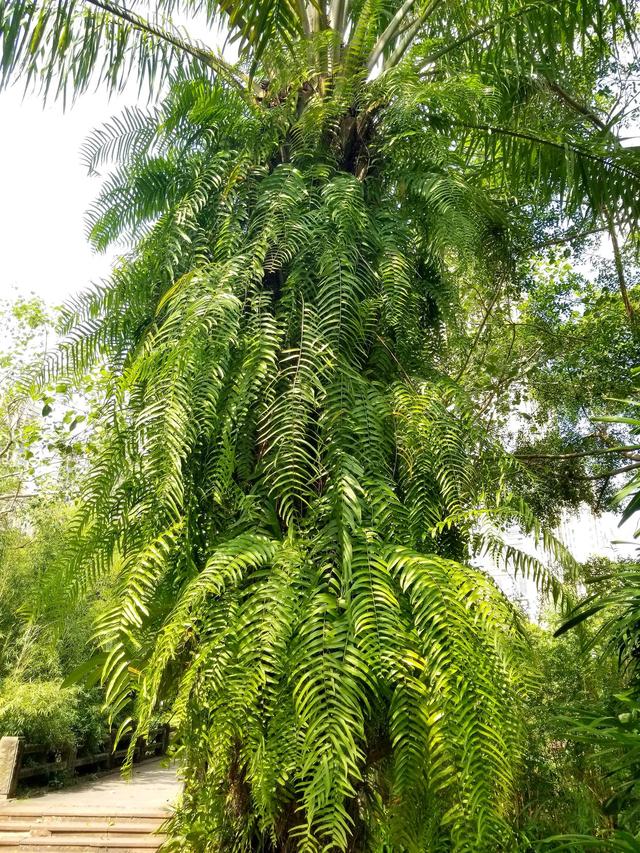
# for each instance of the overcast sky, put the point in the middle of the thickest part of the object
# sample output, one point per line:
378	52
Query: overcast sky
44	192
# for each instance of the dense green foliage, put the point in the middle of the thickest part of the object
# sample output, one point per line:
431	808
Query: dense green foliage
43	634
297	454
566	785
611	612
304	501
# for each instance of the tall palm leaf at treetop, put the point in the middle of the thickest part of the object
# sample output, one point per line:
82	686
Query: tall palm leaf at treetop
291	483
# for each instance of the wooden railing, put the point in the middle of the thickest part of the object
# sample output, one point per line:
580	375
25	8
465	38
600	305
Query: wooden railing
25	764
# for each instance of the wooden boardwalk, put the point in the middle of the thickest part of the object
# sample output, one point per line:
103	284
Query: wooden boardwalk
110	813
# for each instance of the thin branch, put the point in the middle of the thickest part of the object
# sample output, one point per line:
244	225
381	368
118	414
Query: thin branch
611	226
580	454
617	257
625	468
603	160
503	382
479	331
616	116
478	31
568	237
14	497
398	363
576	105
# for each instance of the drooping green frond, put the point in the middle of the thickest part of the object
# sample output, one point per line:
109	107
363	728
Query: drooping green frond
258	24
62	48
66	45
527	149
288	494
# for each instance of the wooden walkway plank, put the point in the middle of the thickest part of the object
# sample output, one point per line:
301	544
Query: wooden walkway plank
107	814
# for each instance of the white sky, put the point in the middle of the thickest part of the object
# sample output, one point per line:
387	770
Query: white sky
44	192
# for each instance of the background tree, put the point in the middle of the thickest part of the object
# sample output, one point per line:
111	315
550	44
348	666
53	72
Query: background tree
42	636
550	363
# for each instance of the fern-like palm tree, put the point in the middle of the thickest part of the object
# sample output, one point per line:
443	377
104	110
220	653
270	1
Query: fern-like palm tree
290	483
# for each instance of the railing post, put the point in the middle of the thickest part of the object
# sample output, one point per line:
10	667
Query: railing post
140	751
166	731
10	759
72	754
111	760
